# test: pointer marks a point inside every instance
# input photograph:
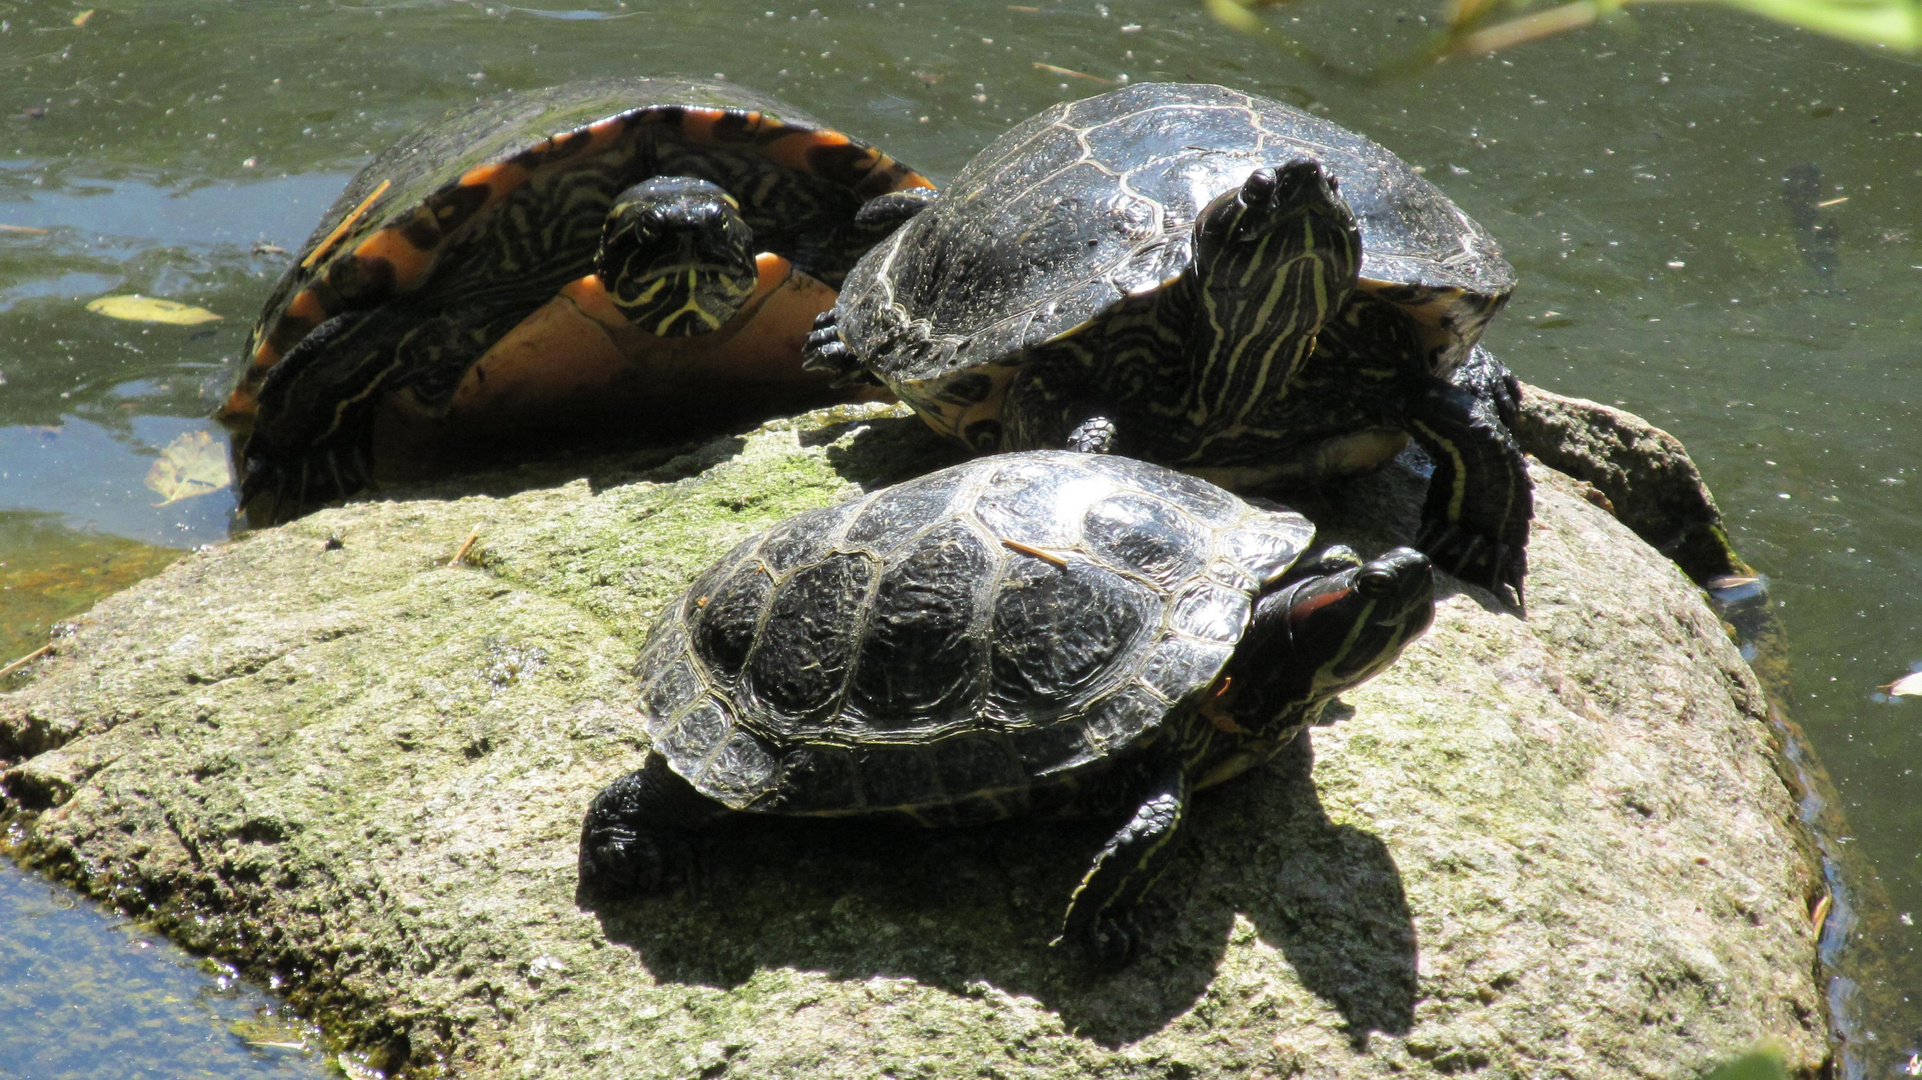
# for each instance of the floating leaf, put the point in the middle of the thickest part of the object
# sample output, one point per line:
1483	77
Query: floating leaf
81	19
194	464
1907	686
137	308
1233	15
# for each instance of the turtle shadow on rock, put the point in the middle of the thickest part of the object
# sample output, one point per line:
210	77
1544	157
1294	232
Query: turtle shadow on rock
885	449
604	466
967	909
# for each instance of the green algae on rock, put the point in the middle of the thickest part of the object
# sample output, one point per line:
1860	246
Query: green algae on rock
1544	846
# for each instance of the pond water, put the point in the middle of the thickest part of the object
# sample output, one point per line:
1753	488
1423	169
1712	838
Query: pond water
85	994
1653	182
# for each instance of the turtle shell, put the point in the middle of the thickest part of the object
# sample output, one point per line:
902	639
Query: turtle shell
508	197
958	639
1093	201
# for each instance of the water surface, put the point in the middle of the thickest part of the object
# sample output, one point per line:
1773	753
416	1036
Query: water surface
1638	175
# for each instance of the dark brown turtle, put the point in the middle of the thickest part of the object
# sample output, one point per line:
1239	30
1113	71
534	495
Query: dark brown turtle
1033	632
565	257
1214	281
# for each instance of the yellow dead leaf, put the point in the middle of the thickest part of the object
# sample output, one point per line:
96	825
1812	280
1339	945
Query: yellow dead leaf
1907	686
81	19
194	464
1233	15
137	308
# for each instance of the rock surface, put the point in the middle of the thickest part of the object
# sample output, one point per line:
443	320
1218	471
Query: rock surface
1544	847
1643	474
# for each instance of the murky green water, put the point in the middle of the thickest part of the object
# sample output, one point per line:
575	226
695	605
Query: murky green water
1635	174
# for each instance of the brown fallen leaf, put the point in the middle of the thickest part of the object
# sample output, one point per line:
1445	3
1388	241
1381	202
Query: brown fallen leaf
81	19
192	465
28	229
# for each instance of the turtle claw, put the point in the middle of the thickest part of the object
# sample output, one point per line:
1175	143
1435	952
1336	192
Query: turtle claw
1477	559
1490	380
1104	944
825	351
274	490
1110	943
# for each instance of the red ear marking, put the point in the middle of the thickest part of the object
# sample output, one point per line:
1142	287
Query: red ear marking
1308	607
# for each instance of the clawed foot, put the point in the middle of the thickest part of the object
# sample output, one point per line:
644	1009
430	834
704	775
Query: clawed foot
1106	944
1476	558
1490	380
825	351
276	488
620	860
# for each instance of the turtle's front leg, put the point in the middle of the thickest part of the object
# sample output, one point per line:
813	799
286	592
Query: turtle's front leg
1095	435
825	351
1490	380
637	837
1474	523
1101	913
1056	401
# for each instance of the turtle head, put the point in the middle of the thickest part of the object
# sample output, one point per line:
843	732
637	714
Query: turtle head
676	256
1327	628
1279	219
1274	259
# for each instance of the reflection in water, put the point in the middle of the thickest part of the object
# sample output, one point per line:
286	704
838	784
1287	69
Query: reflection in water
1817	234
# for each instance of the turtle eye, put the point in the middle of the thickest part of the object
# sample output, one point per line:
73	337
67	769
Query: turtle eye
1375	582
1259	186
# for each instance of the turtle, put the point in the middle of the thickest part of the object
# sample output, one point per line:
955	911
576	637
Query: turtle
648	248
1047	631
1214	281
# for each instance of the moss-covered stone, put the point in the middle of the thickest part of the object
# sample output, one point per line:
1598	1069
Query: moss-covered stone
1541	847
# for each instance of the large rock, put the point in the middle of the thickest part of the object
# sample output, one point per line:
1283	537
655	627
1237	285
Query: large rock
1545	847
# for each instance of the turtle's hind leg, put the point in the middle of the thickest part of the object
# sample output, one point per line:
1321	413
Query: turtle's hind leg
1101	913
313	436
637	838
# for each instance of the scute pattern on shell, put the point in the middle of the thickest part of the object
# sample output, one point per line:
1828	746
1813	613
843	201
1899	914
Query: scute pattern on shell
1094	201
505	199
895	651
